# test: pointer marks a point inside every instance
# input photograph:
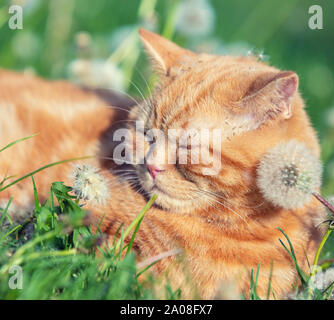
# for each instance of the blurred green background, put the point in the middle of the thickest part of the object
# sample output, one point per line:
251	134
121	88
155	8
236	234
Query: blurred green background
95	43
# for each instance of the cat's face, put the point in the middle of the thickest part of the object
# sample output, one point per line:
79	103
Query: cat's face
197	122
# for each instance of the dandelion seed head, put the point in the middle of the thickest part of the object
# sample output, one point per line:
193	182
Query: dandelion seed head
323	279
83	40
288	174
236	48
195	18
258	54
89	184
96	73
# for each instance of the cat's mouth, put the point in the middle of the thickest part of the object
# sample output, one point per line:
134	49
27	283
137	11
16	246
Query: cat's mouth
174	194
154	185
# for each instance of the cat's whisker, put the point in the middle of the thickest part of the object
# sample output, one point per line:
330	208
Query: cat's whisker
209	194
144	79
118	183
125	175
224	205
122	177
138	90
122	170
118	108
226	199
124	120
142	96
124	93
114	159
126	183
125	178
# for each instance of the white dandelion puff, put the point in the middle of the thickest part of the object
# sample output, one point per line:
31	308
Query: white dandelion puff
97	74
89	184
324	279
195	18
288	175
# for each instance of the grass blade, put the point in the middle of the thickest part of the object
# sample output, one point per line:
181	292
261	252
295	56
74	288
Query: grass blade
134	235
4	213
42	168
37	203
146	268
138	218
291	253
17	141
10	232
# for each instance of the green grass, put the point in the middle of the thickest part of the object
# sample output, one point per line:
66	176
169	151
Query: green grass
60	259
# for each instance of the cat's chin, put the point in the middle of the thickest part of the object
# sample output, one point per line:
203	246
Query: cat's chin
172	203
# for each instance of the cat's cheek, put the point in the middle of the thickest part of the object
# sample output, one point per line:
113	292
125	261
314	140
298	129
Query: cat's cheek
247	177
146	180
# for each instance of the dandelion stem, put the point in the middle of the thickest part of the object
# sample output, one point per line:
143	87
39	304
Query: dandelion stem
146	8
169	26
314	269
138	218
324	201
321	245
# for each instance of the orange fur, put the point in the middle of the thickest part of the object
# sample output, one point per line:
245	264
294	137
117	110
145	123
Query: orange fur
224	232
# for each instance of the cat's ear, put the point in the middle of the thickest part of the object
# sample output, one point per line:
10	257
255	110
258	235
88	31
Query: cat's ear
163	53
272	99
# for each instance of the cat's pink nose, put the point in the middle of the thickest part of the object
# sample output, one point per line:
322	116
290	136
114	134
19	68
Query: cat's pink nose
154	170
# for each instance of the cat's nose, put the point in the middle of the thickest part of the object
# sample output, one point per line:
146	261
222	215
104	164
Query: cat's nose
154	170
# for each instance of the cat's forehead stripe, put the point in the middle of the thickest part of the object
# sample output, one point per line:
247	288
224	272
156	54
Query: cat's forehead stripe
186	92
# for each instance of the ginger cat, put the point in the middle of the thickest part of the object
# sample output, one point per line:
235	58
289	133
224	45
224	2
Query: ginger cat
220	221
